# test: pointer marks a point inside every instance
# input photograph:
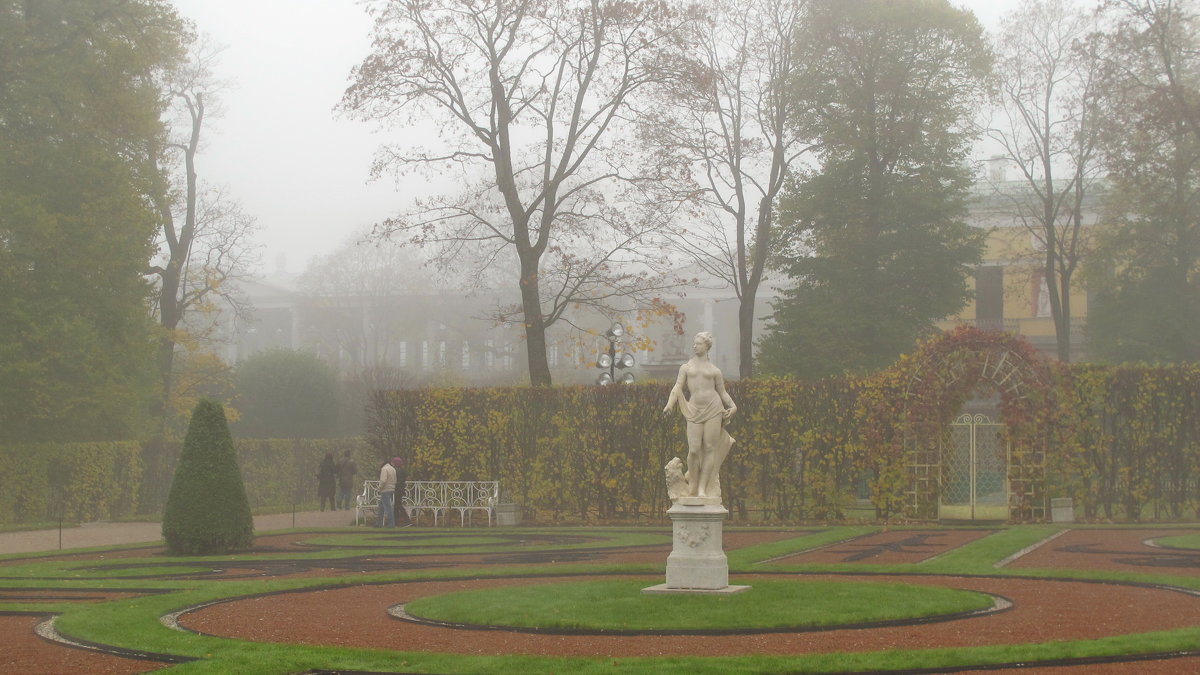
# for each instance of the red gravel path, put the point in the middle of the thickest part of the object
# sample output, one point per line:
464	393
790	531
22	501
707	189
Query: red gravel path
1043	611
25	653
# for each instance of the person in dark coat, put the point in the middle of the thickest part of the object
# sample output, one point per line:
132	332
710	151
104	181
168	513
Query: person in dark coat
347	471
327	480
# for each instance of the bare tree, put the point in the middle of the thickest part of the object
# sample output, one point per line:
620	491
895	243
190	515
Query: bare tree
1046	123
531	95
1154	53
727	126
204	235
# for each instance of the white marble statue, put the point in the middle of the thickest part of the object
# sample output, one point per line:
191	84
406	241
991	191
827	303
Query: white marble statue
707	409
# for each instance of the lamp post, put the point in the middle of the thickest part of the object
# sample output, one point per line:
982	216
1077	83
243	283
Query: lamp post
609	362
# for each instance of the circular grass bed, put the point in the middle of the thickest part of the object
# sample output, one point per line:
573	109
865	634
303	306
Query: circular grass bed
618	606
1188	541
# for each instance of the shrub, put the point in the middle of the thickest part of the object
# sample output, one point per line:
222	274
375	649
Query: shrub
287	394
207	511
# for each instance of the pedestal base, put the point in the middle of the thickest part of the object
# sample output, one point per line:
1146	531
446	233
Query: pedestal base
662	589
697	562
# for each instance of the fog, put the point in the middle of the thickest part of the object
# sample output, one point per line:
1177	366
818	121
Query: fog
278	146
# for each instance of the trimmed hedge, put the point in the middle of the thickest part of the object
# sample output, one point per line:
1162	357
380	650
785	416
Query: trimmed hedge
1134	450
279	472
1123	441
1125	445
76	482
579	453
207	511
110	481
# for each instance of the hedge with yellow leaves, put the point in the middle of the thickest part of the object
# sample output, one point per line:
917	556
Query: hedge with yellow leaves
1123	441
582	454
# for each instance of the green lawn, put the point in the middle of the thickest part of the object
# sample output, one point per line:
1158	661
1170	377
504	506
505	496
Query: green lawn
1191	541
614	604
619	605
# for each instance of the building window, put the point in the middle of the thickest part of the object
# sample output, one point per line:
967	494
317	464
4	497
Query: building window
402	354
466	355
425	355
442	354
989	297
489	354
553	356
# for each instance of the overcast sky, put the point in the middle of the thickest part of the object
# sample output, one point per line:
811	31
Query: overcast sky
282	152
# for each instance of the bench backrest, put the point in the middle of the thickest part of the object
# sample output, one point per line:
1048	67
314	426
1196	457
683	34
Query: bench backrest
370	493
473	494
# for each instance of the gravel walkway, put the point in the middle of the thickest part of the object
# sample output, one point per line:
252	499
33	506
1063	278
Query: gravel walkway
111	534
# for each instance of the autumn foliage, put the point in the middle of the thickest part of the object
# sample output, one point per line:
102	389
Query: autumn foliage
814	450
1122	441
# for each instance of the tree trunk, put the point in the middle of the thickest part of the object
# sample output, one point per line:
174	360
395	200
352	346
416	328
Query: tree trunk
1062	325
170	303
169	321
746	332
535	324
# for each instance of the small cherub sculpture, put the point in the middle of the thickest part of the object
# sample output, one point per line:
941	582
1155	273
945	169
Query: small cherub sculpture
677	485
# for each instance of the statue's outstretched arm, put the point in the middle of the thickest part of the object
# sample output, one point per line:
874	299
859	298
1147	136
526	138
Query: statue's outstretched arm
726	399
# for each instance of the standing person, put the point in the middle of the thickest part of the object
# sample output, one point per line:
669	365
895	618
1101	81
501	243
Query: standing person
385	515
347	470
401	514
326	475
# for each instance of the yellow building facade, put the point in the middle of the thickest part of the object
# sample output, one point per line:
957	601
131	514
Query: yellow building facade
1009	290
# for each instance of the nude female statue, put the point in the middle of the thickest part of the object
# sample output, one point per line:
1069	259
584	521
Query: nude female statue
707	410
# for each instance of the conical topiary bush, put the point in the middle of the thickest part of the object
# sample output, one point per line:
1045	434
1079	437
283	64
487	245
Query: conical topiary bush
207	511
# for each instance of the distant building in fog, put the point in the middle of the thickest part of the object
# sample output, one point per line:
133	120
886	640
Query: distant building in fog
446	336
1009	287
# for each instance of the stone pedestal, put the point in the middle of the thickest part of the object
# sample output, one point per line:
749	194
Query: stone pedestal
697	563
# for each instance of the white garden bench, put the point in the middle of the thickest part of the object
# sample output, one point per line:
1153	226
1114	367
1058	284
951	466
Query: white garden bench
437	496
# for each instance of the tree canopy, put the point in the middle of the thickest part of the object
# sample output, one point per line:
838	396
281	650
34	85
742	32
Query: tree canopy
287	394
1146	276
78	97
203	239
1046	123
877	245
532	99
725	145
